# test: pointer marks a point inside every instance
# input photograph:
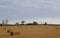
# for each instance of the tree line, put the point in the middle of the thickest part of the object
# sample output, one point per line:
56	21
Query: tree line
5	22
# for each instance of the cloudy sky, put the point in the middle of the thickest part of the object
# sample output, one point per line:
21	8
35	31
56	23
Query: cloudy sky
30	10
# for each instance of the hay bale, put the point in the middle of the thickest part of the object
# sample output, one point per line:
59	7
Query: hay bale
11	33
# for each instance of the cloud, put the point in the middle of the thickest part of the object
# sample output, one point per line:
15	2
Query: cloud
22	9
30	3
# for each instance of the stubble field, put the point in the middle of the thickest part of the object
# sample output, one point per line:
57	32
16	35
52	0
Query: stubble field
31	31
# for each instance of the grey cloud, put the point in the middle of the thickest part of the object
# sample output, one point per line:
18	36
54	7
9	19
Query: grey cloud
30	3
29	8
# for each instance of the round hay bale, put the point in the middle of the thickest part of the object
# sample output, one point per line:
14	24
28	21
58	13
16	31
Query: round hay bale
11	33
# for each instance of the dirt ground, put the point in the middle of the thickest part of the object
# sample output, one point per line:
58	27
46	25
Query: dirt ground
33	31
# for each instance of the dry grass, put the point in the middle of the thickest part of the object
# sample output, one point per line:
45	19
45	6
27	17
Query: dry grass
35	31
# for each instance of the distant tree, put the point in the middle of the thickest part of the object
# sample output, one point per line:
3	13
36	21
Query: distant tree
0	24
3	22
22	22
35	23
29	24
45	23
17	23
6	21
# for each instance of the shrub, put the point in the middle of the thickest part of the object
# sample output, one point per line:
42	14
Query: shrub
45	23
29	24
17	23
0	24
35	23
22	22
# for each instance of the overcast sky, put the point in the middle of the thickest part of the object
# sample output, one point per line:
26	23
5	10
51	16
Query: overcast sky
30	9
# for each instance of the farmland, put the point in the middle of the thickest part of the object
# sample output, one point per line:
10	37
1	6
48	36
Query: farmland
30	31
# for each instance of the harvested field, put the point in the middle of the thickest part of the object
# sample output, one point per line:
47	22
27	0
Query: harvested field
31	31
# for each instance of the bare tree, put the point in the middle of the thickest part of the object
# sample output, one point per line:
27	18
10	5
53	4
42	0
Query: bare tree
6	21
3	22
17	23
